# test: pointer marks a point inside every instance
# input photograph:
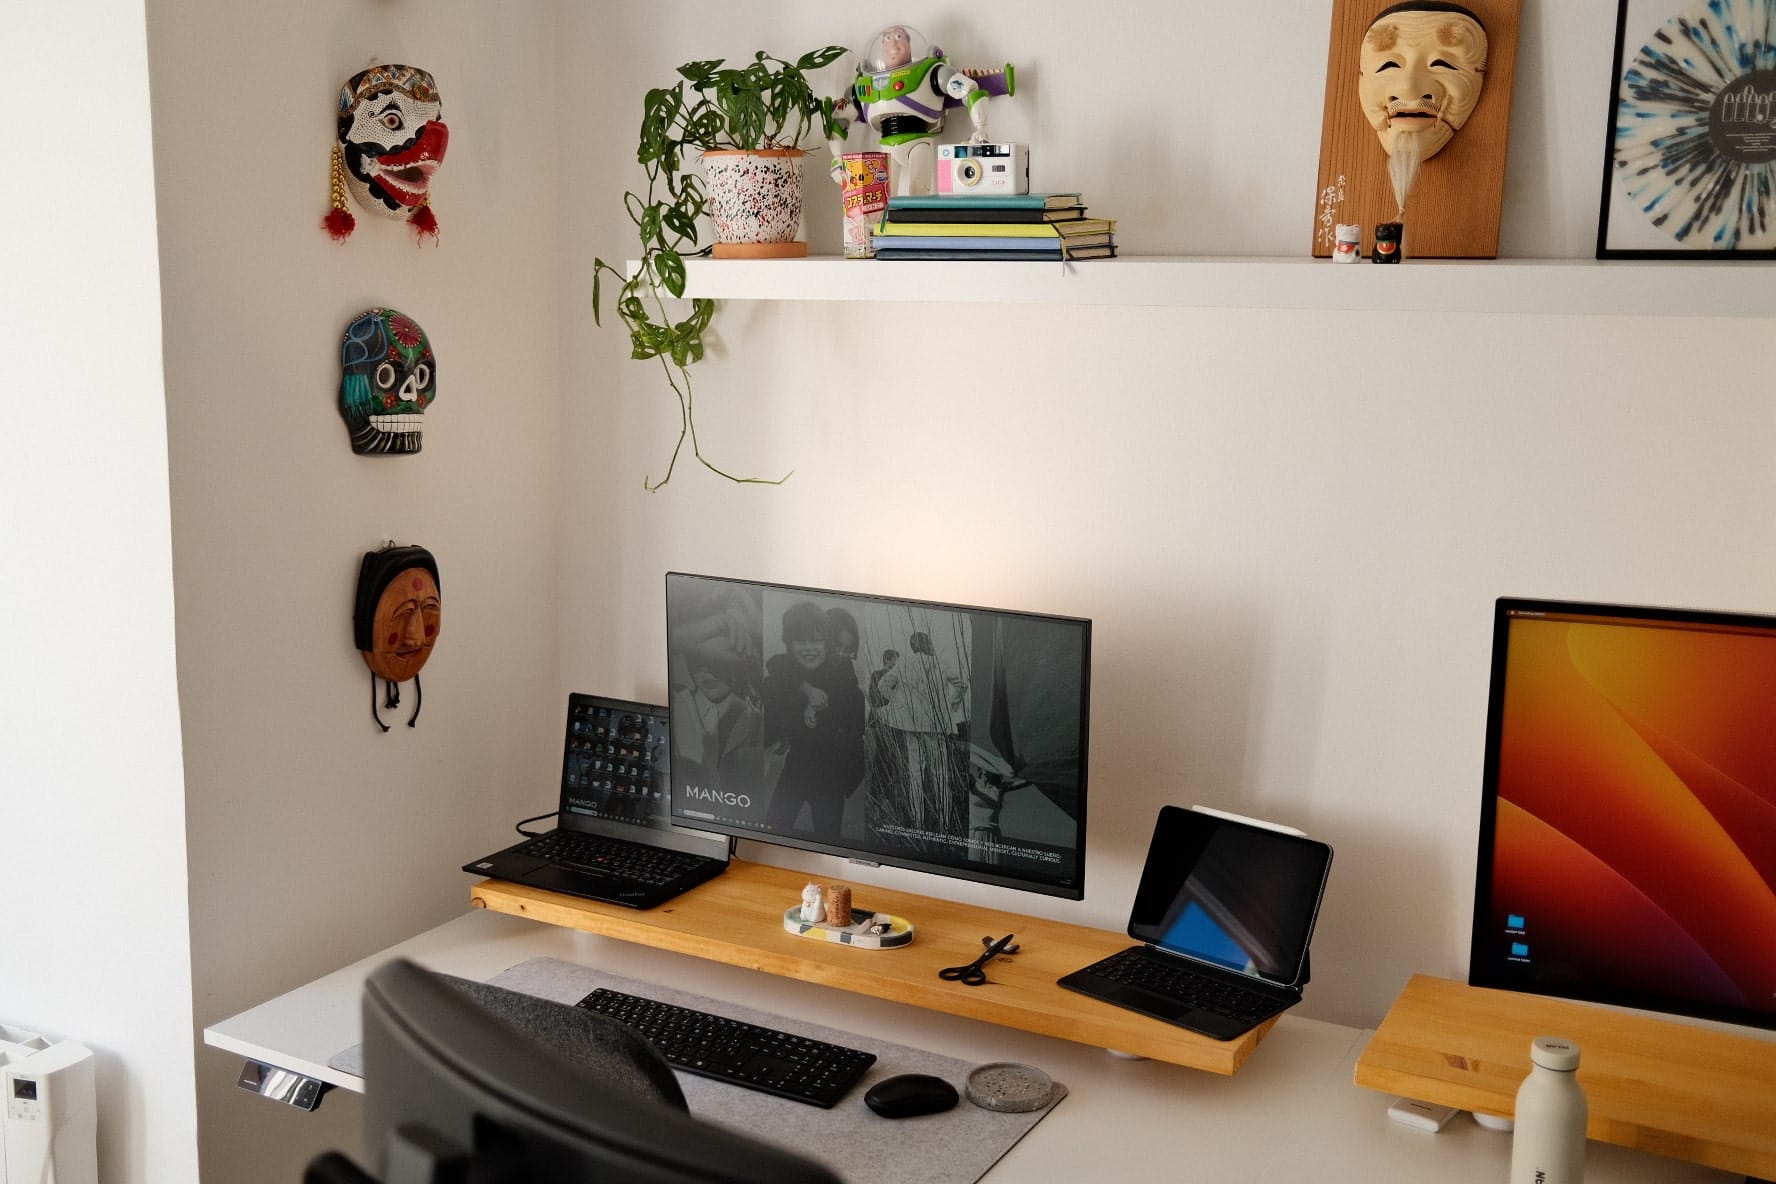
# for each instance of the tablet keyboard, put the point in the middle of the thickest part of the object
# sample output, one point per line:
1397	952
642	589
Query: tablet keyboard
1177	980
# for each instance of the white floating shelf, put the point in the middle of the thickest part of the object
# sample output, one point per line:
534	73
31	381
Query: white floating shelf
1540	287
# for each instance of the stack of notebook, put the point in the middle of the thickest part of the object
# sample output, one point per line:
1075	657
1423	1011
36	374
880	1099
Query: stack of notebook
1039	226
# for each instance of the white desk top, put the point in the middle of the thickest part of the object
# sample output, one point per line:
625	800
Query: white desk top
1292	1112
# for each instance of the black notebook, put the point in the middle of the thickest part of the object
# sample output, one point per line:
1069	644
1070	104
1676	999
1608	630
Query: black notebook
614	840
1225	909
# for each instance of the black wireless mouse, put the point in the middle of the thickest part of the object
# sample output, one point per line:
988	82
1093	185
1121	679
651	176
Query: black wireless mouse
910	1095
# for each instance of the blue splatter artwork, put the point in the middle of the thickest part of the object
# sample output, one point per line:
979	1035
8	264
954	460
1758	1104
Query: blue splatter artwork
1695	137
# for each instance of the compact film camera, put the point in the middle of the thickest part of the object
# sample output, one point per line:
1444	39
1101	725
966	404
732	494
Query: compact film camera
967	169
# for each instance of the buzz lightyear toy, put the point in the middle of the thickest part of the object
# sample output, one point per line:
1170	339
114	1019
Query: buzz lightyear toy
904	84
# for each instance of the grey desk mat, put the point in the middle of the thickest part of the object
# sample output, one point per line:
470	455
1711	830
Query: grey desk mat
955	1147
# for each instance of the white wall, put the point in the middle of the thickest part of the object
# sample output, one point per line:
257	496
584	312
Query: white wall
315	838
1287	527
93	938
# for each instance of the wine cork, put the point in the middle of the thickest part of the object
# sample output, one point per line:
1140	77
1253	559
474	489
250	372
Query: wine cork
838	904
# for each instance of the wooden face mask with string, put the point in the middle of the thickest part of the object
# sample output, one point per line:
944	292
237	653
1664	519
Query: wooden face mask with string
396	621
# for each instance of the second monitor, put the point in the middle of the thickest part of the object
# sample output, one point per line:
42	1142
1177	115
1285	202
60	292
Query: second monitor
939	737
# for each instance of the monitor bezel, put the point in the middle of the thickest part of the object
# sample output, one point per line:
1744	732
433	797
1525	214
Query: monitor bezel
1483	971
1073	889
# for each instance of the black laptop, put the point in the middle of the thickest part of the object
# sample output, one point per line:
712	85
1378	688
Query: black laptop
614	840
1224	912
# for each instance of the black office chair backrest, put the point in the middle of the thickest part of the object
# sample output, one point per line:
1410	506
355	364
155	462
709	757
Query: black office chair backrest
462	1077
608	1047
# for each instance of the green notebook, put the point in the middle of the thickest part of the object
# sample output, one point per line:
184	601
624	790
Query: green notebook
987	201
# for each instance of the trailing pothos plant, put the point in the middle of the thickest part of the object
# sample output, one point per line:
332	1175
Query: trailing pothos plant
769	103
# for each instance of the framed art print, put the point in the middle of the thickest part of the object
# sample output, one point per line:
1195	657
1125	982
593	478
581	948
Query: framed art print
1690	167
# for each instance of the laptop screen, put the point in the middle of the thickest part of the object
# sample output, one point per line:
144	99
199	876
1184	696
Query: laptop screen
1231	893
613	765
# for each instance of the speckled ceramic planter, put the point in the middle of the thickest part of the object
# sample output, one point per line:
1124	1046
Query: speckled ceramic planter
755	203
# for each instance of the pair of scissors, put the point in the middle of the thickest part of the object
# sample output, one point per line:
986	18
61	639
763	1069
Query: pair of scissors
973	974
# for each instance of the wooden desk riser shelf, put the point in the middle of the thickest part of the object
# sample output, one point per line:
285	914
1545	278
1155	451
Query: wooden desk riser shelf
737	918
1688	1092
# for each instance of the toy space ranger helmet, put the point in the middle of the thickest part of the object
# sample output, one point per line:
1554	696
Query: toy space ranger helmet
895	48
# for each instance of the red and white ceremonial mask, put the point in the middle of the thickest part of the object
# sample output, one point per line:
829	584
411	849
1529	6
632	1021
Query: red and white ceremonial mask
391	142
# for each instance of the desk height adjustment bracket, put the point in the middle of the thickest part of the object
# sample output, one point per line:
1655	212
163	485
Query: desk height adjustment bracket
281	1085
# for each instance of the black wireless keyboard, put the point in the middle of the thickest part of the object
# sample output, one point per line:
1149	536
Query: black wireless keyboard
773	1062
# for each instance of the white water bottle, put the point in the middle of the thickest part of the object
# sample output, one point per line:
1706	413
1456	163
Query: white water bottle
1548	1141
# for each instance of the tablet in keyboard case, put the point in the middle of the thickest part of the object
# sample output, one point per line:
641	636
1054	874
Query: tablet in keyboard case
1225	901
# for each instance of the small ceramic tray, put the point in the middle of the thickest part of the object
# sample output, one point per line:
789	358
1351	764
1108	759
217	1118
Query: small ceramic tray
900	930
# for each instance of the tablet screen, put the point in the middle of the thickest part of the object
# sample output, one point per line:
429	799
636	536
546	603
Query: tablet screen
1232	893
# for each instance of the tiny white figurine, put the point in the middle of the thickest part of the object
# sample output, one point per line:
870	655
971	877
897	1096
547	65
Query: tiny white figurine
812	910
903	85
1348	247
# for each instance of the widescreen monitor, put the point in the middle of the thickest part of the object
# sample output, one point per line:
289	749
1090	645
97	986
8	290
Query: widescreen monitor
916	734
1628	819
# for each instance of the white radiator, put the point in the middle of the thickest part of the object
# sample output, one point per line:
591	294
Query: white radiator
50	1134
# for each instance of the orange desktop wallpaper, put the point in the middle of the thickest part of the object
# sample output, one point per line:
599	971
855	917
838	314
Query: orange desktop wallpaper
1635	839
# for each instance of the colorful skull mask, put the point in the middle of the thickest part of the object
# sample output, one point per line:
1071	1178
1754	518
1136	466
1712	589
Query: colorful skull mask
390	142
388	379
396	619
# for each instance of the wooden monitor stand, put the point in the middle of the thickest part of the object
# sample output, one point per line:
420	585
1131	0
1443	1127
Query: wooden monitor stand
737	918
1688	1092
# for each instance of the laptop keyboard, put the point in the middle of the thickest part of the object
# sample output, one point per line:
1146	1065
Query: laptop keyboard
595	853
779	1063
1178	980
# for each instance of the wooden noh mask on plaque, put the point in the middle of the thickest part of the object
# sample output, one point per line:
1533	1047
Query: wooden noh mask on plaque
1418	103
396	620
1419	76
